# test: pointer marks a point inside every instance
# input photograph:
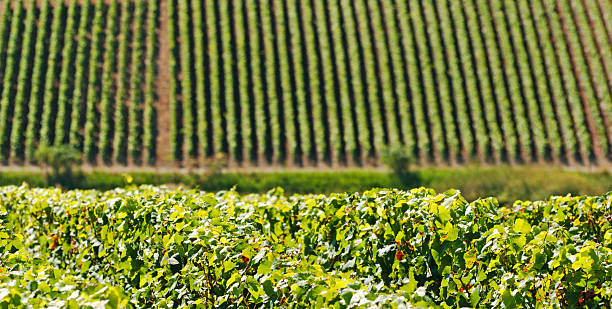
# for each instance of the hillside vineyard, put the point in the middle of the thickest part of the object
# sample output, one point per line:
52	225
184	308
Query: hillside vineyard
307	82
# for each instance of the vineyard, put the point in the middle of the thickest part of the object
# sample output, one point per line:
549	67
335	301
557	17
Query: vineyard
73	74
153	247
307	83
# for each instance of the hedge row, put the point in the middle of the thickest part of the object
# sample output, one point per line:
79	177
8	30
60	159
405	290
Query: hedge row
348	68
22	95
136	84
8	79
120	140
150	112
80	77
533	71
465	138
109	67
38	73
62	120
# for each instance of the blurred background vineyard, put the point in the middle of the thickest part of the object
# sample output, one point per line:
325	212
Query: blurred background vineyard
307	82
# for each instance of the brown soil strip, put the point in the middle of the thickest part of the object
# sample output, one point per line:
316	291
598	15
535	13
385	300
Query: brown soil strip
601	97
597	151
600	49
607	22
162	86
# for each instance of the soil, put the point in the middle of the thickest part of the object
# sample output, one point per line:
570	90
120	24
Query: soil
162	87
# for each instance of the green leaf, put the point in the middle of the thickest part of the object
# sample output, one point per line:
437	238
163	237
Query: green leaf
113	295
474	297
264	267
522	226
214	213
508	299
412	283
519	240
253	287
443	213
234	278
268	287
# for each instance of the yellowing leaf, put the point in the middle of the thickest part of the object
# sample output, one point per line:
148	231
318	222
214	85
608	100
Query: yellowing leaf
452	233
400	236
470	258
380	211
341	283
340	212
228	265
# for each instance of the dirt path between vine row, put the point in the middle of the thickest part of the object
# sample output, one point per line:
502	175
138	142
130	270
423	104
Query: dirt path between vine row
607	22
598	42
599	51
597	151
162	87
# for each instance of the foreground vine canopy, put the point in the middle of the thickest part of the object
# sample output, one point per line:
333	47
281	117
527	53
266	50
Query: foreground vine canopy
152	247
